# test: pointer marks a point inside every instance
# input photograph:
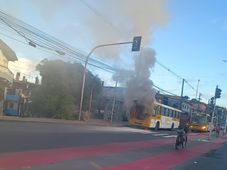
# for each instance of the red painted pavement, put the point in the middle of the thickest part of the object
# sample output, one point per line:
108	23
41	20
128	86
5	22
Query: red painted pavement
168	160
41	157
50	156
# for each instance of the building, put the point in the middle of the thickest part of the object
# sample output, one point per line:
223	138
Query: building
18	97
178	102
109	94
6	76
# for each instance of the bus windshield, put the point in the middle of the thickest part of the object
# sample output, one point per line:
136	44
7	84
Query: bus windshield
199	120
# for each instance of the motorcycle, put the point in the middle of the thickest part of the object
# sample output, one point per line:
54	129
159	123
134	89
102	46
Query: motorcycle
181	139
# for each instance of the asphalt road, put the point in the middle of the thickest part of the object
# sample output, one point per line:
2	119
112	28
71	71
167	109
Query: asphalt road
21	136
57	146
216	159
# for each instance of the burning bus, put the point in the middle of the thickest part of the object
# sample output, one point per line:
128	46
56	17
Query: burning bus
160	117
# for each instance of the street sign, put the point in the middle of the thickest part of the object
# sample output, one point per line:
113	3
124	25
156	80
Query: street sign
136	43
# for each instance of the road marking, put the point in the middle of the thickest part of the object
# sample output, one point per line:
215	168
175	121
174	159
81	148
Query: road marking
170	136
138	131
160	134
95	165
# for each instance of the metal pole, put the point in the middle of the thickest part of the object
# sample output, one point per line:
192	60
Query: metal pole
90	103
113	106
197	89
182	88
85	69
212	117
200	94
225	123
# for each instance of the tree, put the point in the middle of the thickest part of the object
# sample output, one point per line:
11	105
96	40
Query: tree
58	95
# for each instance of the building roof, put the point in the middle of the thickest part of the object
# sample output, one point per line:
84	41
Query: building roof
7	51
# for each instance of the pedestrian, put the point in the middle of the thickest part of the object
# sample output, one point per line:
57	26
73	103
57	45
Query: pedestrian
218	129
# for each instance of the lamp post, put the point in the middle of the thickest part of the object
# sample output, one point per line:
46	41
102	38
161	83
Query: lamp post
135	47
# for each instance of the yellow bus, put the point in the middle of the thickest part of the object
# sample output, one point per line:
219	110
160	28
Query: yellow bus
162	116
199	123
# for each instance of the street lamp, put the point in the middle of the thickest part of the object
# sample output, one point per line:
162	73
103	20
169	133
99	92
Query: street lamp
135	47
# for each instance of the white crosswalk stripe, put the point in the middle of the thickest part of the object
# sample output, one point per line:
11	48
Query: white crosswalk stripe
153	133
170	136
163	134
160	134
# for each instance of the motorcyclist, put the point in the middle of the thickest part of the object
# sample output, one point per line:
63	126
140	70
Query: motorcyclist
184	128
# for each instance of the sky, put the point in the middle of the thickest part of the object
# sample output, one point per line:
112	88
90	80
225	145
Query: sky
189	37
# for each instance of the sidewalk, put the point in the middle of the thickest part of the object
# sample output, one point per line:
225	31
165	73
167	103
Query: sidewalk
94	122
206	137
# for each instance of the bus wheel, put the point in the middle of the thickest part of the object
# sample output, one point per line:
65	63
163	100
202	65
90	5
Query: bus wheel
172	127
157	126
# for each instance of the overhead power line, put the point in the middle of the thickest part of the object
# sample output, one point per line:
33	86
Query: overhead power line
165	91
39	38
109	69
176	75
50	44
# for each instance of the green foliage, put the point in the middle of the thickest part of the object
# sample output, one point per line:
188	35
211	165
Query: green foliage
60	90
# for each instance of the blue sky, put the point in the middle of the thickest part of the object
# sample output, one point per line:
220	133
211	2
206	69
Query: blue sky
192	42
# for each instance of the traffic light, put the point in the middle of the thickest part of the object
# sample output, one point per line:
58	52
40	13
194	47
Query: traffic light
217	93
212	101
136	43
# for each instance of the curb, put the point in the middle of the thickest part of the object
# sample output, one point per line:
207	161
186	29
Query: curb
46	120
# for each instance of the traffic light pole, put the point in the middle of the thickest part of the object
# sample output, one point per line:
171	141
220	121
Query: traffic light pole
212	118
85	69
225	123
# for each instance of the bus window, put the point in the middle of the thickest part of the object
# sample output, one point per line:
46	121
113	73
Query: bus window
170	113
174	114
158	110
162	111
177	115
167	112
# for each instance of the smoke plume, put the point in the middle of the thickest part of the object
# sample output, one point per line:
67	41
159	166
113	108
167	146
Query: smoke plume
139	86
87	23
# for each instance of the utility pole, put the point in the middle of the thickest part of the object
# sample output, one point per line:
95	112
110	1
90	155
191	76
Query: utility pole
197	89
199	99
182	88
225	122
114	101
90	101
